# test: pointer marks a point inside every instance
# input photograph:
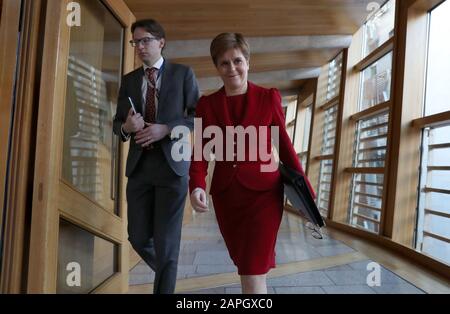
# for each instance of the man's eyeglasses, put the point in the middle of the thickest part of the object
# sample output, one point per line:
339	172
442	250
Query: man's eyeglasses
145	41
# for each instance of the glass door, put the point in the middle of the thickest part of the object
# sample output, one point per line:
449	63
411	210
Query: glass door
89	159
79	186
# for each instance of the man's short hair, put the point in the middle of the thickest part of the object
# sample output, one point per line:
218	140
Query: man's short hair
150	26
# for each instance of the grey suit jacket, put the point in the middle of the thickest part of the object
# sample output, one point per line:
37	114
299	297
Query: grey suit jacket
176	106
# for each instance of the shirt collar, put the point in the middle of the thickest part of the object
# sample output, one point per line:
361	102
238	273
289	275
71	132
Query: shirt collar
158	64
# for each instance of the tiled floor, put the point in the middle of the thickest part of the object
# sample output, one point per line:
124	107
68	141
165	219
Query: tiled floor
203	253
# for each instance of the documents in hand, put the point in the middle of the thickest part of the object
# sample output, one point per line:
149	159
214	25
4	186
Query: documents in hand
299	195
132	105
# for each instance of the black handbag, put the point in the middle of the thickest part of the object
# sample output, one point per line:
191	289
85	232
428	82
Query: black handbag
298	193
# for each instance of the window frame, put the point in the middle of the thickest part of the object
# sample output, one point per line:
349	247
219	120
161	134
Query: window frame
322	104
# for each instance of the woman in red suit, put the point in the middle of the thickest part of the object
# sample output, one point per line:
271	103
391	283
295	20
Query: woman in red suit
248	201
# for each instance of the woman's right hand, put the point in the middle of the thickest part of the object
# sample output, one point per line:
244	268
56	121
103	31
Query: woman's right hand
199	201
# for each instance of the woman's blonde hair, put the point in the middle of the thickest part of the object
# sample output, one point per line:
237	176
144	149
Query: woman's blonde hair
226	41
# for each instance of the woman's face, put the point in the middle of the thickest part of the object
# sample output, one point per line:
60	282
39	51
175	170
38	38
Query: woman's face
233	69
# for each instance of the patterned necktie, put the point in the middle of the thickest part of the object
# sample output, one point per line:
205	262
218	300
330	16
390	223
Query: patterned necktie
150	106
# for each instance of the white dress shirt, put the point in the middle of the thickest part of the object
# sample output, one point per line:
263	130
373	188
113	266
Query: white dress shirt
145	82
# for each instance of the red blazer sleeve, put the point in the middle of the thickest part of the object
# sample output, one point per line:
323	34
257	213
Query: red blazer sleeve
199	169
287	153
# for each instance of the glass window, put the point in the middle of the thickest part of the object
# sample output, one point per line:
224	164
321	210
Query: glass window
304	160
365	206
438	73
329	135
379	28
94	257
290	112
329	131
323	195
306	128
326	166
334	77
291	109
302	131
367	189
371	141
366	201
433	223
376	83
433	228
94	71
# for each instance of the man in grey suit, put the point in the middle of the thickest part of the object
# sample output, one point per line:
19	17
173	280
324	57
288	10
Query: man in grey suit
164	95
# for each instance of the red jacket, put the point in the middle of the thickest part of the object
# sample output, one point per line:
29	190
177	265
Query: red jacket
263	109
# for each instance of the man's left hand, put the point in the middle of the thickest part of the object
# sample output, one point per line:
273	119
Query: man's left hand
151	133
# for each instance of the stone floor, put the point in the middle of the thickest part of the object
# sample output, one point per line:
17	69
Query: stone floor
203	253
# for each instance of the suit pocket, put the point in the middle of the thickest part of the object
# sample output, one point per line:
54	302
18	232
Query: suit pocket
252	177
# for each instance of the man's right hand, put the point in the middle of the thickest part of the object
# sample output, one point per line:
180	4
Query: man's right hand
134	123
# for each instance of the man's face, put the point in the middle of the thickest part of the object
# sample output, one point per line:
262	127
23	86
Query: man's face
148	47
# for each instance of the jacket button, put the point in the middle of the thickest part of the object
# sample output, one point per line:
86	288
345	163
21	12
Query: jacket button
234	166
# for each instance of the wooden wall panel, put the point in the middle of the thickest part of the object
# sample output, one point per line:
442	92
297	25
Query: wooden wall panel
206	18
204	67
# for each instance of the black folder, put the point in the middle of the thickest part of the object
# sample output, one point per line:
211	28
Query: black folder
298	193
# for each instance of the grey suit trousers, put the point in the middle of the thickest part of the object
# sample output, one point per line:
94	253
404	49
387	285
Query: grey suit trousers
156	198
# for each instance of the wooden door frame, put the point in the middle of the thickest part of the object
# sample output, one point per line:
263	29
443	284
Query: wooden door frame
18	193
9	29
48	186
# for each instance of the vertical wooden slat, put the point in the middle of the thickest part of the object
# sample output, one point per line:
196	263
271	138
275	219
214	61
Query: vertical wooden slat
337	144
45	220
322	85
22	151
404	151
386	217
9	28
316	141
127	254
346	136
316	131
309	159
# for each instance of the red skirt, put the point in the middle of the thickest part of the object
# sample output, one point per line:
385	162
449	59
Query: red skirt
249	222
